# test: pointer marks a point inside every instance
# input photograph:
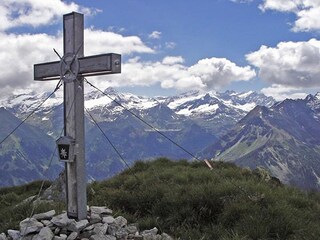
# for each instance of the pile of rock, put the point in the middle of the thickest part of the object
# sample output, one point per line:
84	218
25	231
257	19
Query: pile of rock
99	225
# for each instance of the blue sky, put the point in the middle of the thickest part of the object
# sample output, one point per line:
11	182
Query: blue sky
173	46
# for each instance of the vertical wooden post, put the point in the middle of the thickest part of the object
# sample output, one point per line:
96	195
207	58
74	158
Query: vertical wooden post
73	28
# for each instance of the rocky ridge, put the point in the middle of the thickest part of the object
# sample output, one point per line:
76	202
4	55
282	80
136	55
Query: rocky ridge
99	225
284	139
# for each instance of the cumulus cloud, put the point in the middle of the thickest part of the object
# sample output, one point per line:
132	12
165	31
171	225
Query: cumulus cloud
155	35
306	11
17	13
280	92
206	74
170	60
98	41
219	72
20	52
295	64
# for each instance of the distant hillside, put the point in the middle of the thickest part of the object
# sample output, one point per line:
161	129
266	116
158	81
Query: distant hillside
190	202
25	154
284	139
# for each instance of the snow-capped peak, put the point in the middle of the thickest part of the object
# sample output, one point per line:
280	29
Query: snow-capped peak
313	101
194	104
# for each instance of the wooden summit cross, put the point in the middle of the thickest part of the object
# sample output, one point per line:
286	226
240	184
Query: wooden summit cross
72	68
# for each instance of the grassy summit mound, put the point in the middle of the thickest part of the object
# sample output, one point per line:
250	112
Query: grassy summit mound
189	201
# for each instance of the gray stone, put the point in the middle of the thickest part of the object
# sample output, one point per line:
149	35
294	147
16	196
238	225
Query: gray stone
121	221
101	237
89	228
152	231
58	238
95	218
28	237
108	219
78	226
64	231
3	236
72	236
96	237
14	234
112	229
61	220
30	225
152	237
165	236
61	237
132	229
57	231
45	216
122	234
109	237
44	234
100	229
97	225
151	234
100	210
47	223
137	237
85	234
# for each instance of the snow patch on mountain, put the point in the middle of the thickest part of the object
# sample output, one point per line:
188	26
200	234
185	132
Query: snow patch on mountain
245	94
201	109
97	102
247	107
182	100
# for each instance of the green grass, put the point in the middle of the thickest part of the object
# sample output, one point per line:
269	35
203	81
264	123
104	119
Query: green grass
189	201
12	208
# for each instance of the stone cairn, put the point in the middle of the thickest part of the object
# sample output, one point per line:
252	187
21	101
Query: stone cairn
99	225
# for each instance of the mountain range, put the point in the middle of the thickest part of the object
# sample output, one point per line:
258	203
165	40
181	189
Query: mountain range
247	128
284	138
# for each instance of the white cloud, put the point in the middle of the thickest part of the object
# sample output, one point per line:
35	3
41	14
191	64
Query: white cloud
207	74
170	45
295	64
170	60
283	6
97	42
17	13
306	11
241	1
280	92
155	35
219	72
18	53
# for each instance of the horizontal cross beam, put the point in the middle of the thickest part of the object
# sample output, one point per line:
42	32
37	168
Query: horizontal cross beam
88	66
